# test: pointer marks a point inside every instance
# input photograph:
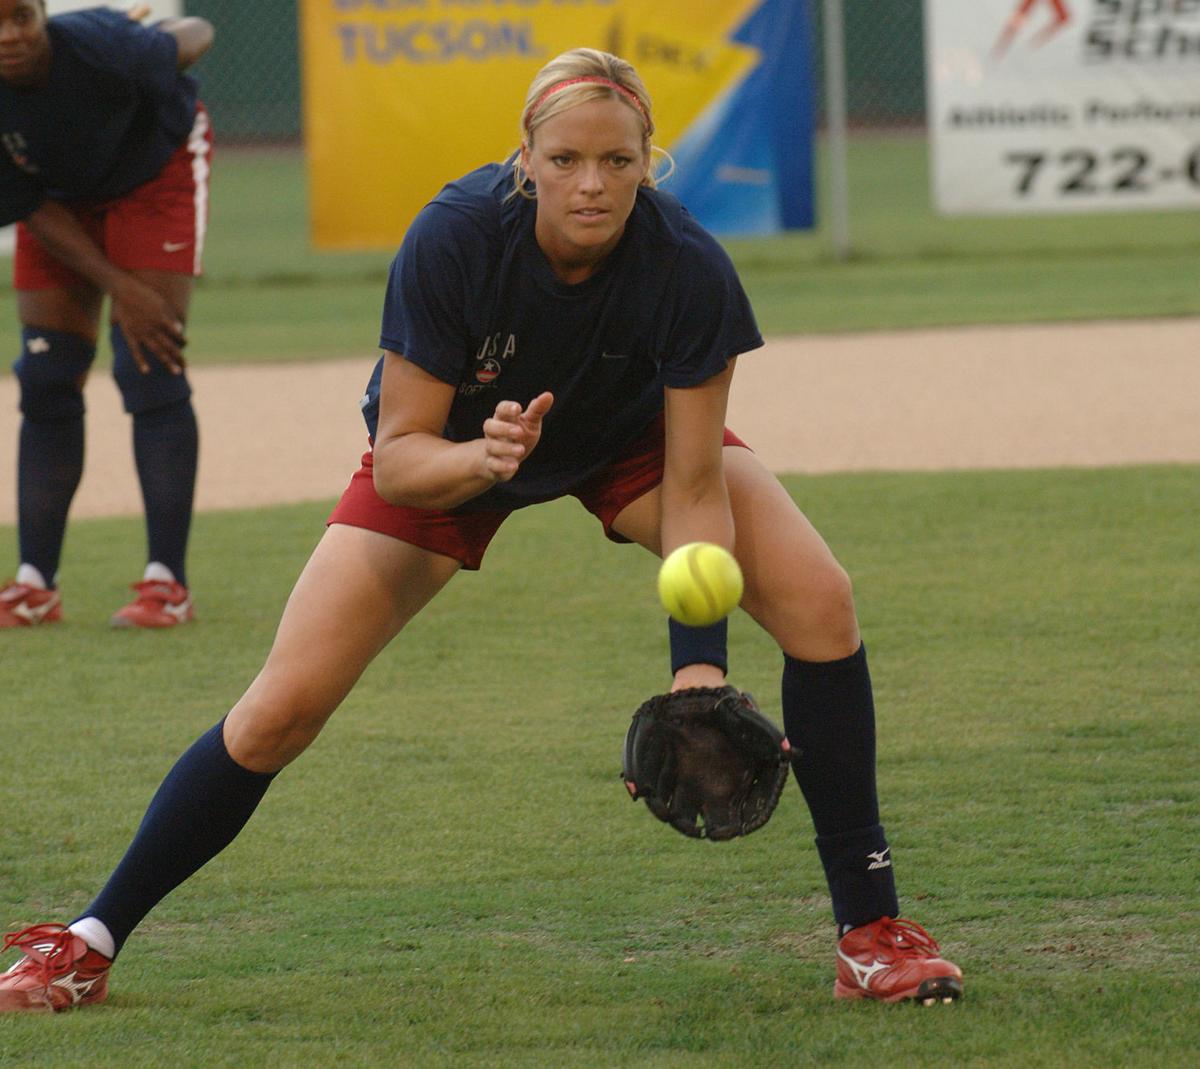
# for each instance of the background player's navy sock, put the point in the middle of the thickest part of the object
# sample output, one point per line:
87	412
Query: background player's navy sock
51	370
49	467
198	810
165	447
829	719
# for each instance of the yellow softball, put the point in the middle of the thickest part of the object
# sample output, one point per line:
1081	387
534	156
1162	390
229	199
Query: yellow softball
699	583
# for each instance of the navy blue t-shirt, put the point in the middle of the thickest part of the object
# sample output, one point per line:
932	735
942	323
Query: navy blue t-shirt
472	300
113	111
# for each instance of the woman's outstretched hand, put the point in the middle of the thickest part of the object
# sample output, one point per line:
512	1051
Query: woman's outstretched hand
511	434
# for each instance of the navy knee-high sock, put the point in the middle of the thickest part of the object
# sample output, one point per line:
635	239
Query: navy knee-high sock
49	467
51	370
198	810
165	448
829	718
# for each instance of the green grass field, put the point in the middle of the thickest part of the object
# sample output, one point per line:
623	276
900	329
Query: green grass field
453	876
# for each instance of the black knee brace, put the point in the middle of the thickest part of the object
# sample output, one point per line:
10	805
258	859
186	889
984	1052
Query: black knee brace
142	392
51	369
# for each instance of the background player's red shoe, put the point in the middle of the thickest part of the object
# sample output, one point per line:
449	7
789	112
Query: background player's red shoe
892	960
22	605
59	971
158	604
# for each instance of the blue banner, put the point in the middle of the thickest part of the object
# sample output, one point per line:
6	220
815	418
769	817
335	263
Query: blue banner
746	165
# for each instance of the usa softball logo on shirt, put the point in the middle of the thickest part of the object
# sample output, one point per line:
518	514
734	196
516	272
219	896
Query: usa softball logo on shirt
487	371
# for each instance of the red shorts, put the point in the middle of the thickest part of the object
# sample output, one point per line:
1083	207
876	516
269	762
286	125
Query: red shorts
158	226
464	535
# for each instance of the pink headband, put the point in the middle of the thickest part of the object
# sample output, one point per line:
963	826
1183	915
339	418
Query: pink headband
591	79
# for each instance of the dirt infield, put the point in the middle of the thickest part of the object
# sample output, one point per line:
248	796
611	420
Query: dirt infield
1080	395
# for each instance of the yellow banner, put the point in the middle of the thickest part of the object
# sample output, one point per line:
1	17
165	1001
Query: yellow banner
401	96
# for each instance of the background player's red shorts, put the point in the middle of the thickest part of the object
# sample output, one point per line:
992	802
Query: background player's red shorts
464	535
158	226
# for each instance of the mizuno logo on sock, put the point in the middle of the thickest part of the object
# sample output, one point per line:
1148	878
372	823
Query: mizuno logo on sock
38	345
880	860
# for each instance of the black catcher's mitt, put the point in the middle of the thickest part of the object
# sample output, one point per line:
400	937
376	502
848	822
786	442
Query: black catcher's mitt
706	761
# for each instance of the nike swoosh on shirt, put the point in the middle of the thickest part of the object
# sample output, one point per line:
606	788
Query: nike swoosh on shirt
175	246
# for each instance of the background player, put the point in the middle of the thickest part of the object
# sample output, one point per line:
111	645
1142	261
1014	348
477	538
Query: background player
105	163
564	280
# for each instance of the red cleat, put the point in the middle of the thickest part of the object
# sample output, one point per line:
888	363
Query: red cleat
158	604
58	972
22	605
893	960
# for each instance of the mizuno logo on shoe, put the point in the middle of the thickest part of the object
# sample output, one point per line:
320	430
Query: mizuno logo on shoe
76	989
880	859
863	973
180	611
34	614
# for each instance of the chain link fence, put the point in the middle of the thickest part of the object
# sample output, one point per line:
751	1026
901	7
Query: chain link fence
884	61
250	80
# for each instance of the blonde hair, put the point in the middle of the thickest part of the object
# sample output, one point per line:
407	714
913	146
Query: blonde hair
574	78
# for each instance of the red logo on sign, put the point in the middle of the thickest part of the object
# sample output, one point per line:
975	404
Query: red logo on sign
1060	15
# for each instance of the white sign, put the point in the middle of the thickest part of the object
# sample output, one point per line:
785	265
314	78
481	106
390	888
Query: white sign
1063	105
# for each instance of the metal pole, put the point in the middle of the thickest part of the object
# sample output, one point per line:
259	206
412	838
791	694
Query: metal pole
835	127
